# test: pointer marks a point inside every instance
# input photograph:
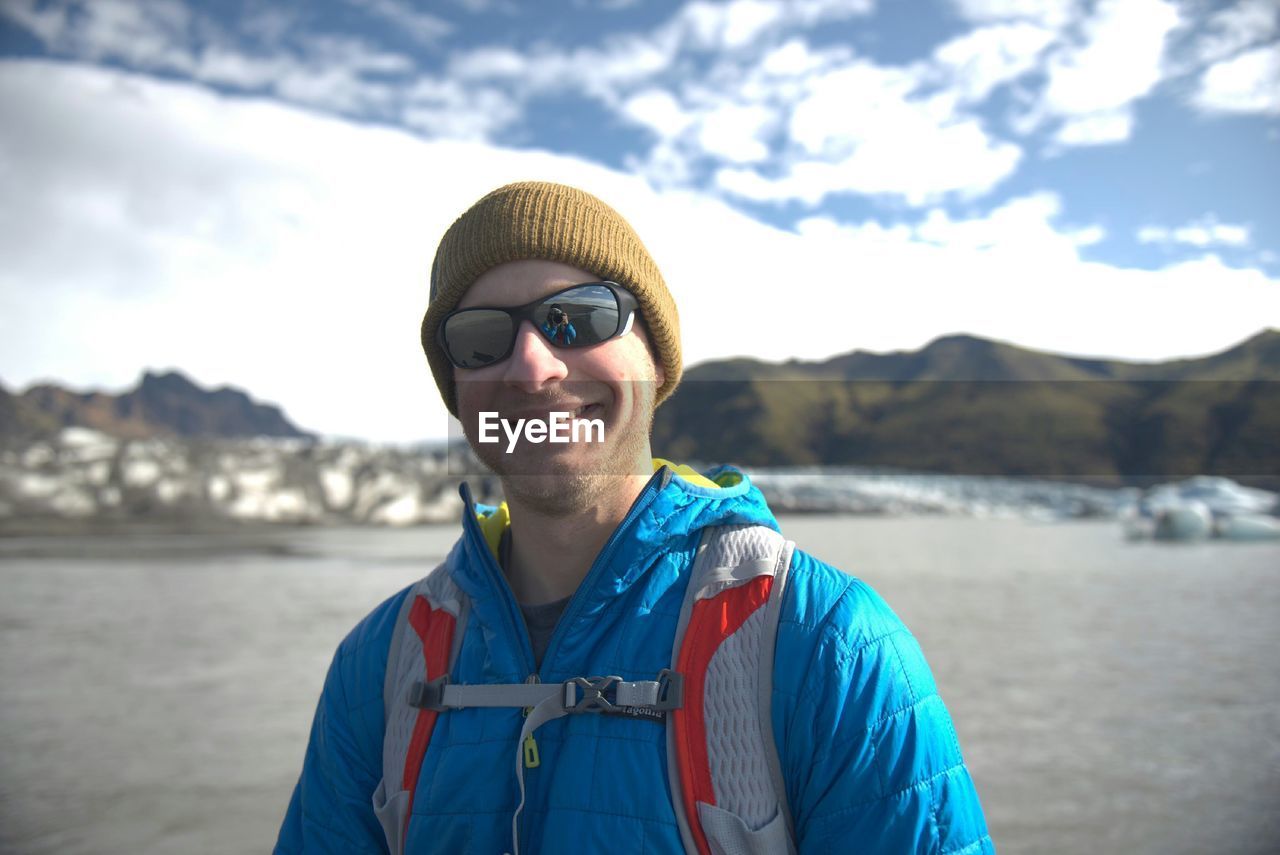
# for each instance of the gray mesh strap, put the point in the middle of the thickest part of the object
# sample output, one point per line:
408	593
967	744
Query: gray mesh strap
405	667
751	813
727	834
718	578
391	681
673	762
768	645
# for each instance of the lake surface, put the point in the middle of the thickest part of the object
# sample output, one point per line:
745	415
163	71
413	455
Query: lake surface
157	690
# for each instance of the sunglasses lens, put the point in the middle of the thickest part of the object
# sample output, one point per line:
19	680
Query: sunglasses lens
479	337
579	317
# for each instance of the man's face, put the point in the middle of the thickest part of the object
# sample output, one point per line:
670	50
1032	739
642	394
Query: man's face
615	381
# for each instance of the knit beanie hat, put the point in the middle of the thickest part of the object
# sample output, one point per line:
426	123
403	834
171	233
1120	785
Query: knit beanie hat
552	222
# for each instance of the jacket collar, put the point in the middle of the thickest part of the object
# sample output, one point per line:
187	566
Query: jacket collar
676	503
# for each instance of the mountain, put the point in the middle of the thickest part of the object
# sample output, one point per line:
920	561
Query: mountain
165	404
959	405
20	419
967	405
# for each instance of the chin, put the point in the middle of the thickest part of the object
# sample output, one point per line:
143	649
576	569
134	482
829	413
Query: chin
559	495
568	462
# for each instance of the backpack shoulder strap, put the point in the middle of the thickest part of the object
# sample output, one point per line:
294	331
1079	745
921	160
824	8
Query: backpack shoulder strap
722	759
424	645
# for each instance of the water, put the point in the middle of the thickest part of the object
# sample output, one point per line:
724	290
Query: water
1109	696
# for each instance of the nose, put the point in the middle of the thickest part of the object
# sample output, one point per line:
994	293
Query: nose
534	363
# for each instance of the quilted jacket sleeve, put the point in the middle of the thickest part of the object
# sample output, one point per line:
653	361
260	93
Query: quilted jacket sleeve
332	808
870	756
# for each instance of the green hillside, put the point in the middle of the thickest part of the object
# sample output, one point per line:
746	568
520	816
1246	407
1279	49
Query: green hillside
968	405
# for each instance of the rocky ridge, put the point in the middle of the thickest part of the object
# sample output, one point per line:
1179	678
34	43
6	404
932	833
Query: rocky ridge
161	404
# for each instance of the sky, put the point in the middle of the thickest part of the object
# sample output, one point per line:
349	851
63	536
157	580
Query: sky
252	192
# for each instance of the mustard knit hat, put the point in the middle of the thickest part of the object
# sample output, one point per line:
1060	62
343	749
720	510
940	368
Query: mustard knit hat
552	222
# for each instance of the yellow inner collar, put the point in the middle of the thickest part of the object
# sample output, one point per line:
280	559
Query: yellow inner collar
493	525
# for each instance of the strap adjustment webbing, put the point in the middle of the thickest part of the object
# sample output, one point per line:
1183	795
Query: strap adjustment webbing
578	695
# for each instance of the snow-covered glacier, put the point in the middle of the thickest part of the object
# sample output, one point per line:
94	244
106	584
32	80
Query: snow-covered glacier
84	475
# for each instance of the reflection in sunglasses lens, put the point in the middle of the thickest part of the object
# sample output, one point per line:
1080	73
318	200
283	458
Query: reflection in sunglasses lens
586	315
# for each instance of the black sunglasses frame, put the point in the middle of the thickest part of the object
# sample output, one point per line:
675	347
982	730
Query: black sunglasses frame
627	307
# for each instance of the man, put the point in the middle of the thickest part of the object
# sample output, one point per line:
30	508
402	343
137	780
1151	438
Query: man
583	571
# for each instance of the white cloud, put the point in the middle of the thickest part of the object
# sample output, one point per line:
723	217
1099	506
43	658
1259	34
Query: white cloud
624	61
1087	236
1119	61
1201	234
730	25
738	23
736	133
608	72
1096	128
605	5
151	35
823	121
425	28
793	60
858	128
850	125
1022	227
659	111
958	158
490	62
1247	83
854	103
995	275
983	59
1241	24
334	72
445	109
627	60
45	22
480	7
870	233
1093	84
244	242
1053	14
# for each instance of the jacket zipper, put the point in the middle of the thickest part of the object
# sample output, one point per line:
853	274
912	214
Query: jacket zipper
655	485
515	619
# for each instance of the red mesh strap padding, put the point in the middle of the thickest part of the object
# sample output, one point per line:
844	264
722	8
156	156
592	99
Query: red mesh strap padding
435	628
710	623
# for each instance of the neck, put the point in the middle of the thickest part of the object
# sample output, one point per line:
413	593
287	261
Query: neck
551	554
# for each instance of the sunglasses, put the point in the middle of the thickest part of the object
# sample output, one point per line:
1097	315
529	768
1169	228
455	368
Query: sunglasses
579	316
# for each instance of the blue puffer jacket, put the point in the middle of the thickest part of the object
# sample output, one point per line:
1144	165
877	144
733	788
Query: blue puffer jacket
869	754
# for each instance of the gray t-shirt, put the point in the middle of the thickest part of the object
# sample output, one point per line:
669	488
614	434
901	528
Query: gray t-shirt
540	619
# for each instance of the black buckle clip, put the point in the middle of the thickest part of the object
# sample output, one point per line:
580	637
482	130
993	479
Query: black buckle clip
592	698
670	690
429	695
